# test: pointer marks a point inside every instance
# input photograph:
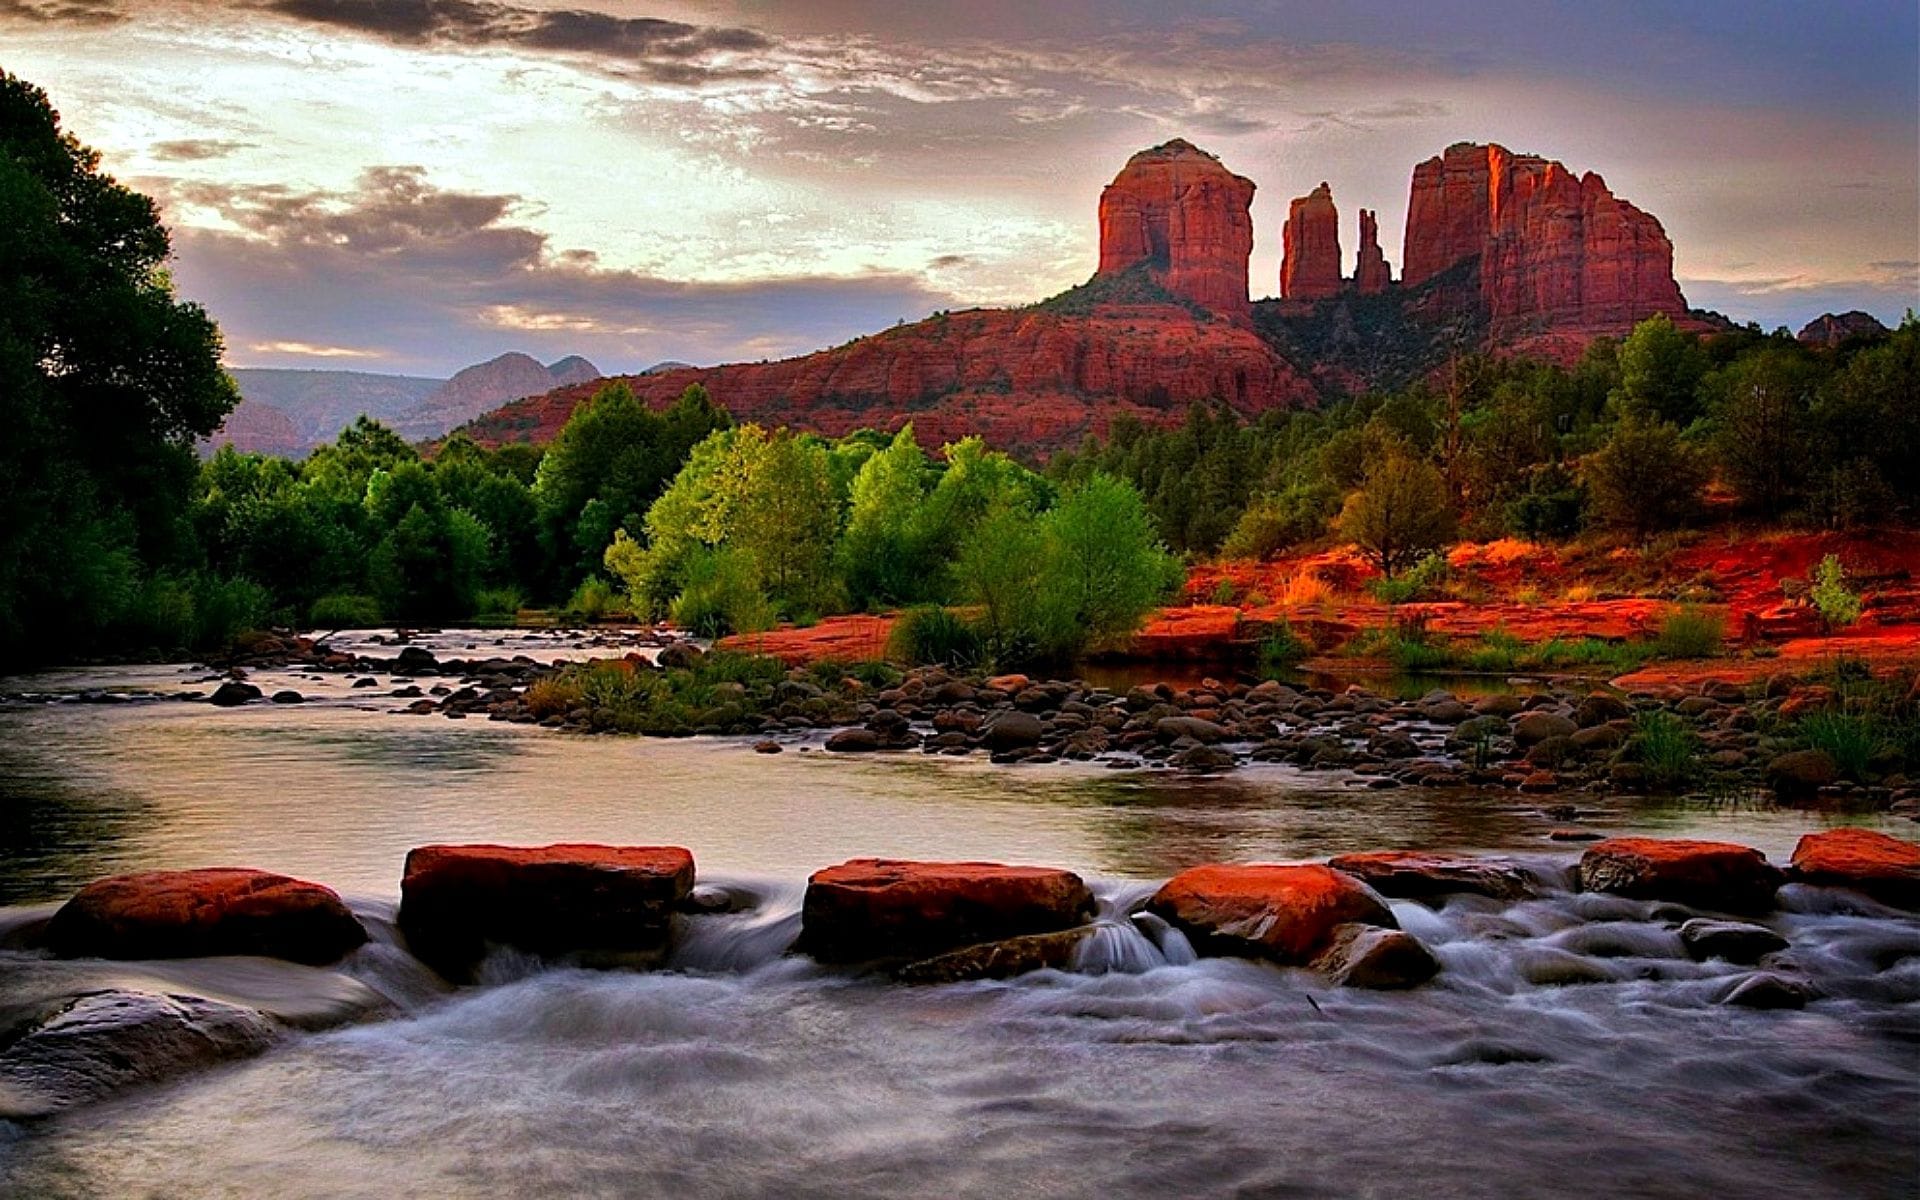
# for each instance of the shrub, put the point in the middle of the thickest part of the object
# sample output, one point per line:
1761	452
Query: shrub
932	636
1666	748
1423	582
344	610
1838	606
1279	522
498	602
195	611
554	696
592	600
1645	479
722	595
1224	592
1282	650
1691	633
1306	590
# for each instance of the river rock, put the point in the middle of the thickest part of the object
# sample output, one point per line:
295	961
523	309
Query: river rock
1798	774
870	909
200	913
1711	875
1864	860
1014	730
997	960
1414	875
1172	729
233	693
97	1043
1734	941
1532	727
610	905
854	741
1367	956
1284	913
1769	990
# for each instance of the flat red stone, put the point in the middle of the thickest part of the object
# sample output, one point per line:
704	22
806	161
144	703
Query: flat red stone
1286	913
1878	864
209	911
1713	875
873	908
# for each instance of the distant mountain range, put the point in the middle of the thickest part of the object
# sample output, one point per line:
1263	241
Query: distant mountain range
288	412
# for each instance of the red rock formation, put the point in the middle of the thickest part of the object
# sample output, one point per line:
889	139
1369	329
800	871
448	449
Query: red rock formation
1882	866
609	902
1023	379
213	911
1831	329
1175	208
1712	875
1552	249
1286	913
1371	274
876	908
1310	247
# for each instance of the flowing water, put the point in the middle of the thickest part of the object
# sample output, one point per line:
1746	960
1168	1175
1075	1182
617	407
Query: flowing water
1568	1047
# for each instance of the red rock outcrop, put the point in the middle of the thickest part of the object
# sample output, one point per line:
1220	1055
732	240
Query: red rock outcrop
1022	378
1711	875
1371	274
1310	247
211	911
1176	209
608	903
875	908
1878	864
1551	248
1289	914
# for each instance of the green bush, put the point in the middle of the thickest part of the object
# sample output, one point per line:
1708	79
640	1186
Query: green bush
930	636
722	595
193	612
499	602
1691	633
345	610
1423	582
1282	650
1838	606
592	600
1279	522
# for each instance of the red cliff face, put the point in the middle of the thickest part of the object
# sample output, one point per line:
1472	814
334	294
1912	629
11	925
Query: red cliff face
1310	240
1371	273
1023	379
1175	208
1553	249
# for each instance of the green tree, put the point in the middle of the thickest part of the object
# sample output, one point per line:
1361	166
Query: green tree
1105	560
1660	372
1645	478
106	380
883	553
1762	413
1399	514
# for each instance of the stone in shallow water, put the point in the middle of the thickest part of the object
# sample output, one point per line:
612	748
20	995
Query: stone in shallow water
1734	941
997	960
1412	874
1719	876
610	905
103	1041
1864	860
200	913
1769	990
1367	956
872	909
1284	913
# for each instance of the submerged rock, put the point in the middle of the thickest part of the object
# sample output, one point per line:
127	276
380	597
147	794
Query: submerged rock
101	1042
1367	956
1734	941
1413	875
609	905
871	909
211	911
1864	860
1284	913
233	693
997	960
1766	989
1712	875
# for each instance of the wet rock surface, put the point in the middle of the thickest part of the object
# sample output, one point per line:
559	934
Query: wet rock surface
211	911
1864	860
872	909
1717	876
1285	913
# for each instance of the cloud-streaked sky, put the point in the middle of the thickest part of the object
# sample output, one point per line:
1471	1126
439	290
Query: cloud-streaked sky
414	185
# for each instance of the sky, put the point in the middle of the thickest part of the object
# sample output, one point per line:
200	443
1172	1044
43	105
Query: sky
415	185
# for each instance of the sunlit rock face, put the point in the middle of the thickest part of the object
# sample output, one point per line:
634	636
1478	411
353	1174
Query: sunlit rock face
1371	273
1310	262
1552	248
1187	217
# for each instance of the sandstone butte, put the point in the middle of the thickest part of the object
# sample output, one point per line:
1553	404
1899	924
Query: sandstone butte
1550	259
1552	249
1310	248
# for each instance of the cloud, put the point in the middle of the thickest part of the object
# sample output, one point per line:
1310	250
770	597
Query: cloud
195	149
63	12
423	277
662	51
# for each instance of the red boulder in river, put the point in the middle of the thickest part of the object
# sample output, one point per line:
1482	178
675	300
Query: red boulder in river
211	911
876	908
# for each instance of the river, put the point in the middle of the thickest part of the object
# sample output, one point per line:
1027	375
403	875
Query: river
743	1072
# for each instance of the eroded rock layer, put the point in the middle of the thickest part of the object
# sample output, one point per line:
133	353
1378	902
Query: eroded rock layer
1310	241
1175	208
